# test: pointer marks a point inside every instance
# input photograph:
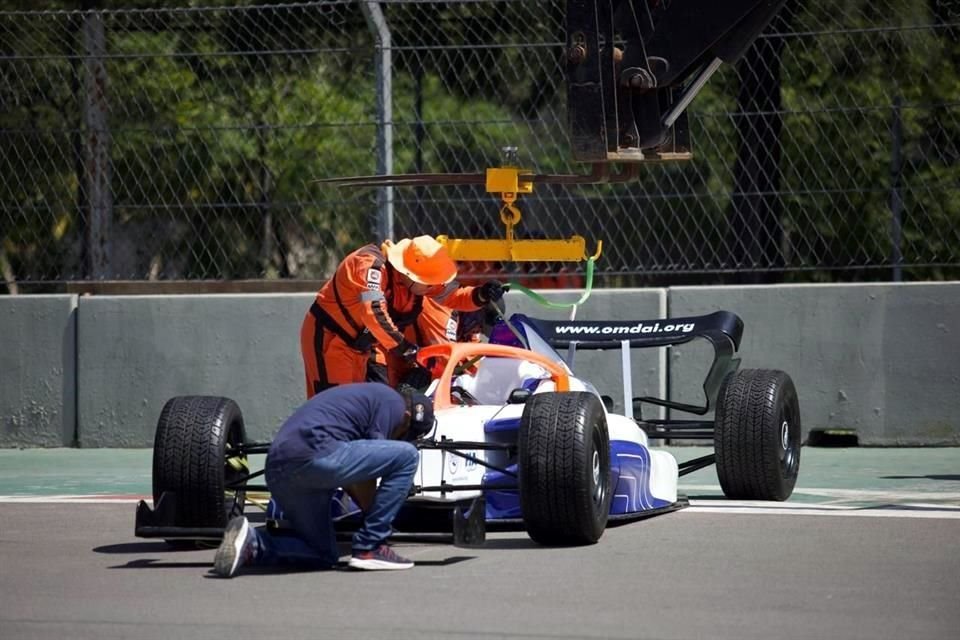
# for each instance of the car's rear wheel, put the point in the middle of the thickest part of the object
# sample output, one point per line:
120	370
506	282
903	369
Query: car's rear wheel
564	468
757	435
196	458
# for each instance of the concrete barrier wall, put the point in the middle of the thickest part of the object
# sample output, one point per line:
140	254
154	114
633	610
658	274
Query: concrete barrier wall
136	352
37	370
878	359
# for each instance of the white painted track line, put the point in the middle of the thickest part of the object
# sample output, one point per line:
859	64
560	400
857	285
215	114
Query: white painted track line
904	510
881	505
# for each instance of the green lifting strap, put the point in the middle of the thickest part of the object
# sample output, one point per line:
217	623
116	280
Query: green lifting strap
514	286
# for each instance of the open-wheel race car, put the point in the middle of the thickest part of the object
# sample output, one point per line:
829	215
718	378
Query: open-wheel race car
519	440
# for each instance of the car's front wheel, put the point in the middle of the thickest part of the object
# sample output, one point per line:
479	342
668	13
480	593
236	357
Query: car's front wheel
195	458
564	468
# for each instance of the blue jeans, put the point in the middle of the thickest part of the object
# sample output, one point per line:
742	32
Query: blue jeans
304	491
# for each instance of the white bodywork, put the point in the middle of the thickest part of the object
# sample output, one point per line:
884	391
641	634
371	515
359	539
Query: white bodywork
495	378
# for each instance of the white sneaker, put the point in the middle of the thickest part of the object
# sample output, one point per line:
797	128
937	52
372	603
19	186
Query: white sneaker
237	548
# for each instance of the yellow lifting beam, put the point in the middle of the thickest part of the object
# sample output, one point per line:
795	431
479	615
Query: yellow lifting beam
508	183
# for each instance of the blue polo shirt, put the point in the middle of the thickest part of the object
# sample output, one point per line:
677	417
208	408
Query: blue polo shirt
361	411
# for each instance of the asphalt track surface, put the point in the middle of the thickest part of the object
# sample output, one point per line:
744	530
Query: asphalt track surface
868	547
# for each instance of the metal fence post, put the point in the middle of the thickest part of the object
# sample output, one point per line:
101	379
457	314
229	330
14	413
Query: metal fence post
99	200
383	71
896	190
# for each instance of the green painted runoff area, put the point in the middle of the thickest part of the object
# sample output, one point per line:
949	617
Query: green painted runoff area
842	476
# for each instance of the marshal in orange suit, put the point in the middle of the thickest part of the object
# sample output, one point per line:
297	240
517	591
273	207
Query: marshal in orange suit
359	317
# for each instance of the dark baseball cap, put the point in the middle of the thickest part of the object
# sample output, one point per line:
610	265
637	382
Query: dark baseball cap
421	414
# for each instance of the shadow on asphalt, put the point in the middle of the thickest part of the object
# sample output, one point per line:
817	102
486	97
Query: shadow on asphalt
511	543
153	563
138	547
446	562
342	568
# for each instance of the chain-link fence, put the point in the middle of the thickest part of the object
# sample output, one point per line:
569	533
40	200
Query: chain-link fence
183	143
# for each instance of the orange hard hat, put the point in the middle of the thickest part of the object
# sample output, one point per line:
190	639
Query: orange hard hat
422	259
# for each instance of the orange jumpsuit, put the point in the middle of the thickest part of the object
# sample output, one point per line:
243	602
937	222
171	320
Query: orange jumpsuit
435	324
360	315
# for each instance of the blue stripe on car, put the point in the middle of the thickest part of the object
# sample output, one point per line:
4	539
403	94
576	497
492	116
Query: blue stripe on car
632	489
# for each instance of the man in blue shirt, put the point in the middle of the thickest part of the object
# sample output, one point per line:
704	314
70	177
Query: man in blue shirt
348	435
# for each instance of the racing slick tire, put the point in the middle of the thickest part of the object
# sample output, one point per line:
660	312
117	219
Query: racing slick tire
757	435
191	459
564	468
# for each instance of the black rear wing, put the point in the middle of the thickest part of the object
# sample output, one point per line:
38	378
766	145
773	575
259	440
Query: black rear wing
611	334
722	329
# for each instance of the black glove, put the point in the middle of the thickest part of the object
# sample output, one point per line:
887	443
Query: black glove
489	291
407	350
418	378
